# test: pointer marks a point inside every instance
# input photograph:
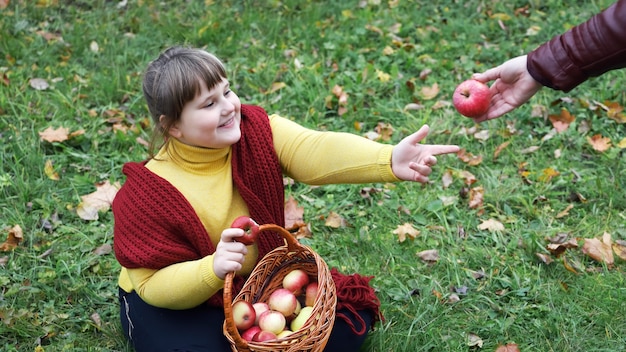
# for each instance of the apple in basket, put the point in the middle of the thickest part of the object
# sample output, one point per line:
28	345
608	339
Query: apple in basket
300	320
310	294
248	335
250	227
259	308
284	301
263	336
272	321
243	315
295	281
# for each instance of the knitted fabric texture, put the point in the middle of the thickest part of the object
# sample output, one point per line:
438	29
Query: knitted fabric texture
155	226
354	293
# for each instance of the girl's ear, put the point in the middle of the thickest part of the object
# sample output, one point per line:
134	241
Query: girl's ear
173	130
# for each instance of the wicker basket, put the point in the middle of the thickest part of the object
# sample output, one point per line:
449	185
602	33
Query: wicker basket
266	277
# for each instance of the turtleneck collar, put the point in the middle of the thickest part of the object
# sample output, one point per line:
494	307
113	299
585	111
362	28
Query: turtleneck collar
194	159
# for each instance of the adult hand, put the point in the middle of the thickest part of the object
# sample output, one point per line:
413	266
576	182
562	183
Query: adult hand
513	87
229	255
412	161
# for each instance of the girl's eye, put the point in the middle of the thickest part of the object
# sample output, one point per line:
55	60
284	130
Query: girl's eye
208	105
227	92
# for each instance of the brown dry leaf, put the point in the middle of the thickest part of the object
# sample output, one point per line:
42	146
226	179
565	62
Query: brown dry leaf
385	130
615	111
335	220
474	340
431	92
102	250
599	143
14	238
559	248
406	230
468	177
509	347
469	158
599	250
619	247
529	150
476	197
544	258
294	214
48	169
482	135
447	179
413	106
95	317
565	212
491	225
4	4
500	148
562	121
100	200
54	135
429	255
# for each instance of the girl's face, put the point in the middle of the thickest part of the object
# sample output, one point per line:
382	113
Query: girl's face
211	119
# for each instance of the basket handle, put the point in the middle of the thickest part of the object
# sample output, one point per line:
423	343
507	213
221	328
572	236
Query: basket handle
229	323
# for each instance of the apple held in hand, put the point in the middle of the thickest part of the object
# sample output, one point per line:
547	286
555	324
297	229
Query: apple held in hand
282	300
250	227
471	98
243	315
295	280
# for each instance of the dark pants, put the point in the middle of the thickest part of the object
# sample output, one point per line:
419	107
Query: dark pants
153	329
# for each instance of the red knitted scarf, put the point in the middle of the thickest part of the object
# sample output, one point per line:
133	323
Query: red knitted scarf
155	226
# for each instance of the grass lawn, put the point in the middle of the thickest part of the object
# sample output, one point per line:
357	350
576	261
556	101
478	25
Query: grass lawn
495	218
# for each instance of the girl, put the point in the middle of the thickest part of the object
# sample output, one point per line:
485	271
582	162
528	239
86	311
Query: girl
222	159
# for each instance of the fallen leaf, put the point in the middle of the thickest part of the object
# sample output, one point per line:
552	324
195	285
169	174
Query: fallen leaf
529	150
100	200
548	174
447	179
476	197
14	238
39	83
429	255
491	225
619	247
4	4
559	248
404	230
276	86
103	249
431	92
509	347
565	212
335	220
599	143
546	259
294	214
599	250
474	340
48	169
54	135
469	158
562	121
499	149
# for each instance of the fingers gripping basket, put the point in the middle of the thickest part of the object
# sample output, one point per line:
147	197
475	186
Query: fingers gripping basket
268	276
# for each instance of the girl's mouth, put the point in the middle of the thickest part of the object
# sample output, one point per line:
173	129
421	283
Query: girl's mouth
227	123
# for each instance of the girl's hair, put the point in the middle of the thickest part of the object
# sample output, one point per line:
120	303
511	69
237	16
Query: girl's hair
172	80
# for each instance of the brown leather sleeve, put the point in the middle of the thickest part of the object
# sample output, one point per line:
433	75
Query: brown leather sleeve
587	50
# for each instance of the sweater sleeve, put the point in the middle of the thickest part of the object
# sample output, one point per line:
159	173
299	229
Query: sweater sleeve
587	50
318	158
178	286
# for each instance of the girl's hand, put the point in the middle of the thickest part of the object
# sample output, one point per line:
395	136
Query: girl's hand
229	255
412	161
513	87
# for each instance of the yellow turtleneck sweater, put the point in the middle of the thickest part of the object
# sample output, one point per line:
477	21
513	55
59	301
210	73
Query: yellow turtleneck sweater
308	156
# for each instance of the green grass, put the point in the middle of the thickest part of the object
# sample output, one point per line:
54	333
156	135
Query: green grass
54	282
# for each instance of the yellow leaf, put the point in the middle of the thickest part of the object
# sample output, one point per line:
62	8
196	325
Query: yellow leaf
622	143
619	247
430	92
275	87
382	76
547	174
48	169
565	212
335	220
491	225
404	230
500	16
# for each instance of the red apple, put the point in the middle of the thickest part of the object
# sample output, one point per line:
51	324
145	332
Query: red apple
262	336
295	280
248	335
243	315
282	300
471	98
272	321
259	308
310	294
250	227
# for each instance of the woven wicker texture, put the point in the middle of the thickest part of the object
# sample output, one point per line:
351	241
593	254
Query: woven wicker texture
266	277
